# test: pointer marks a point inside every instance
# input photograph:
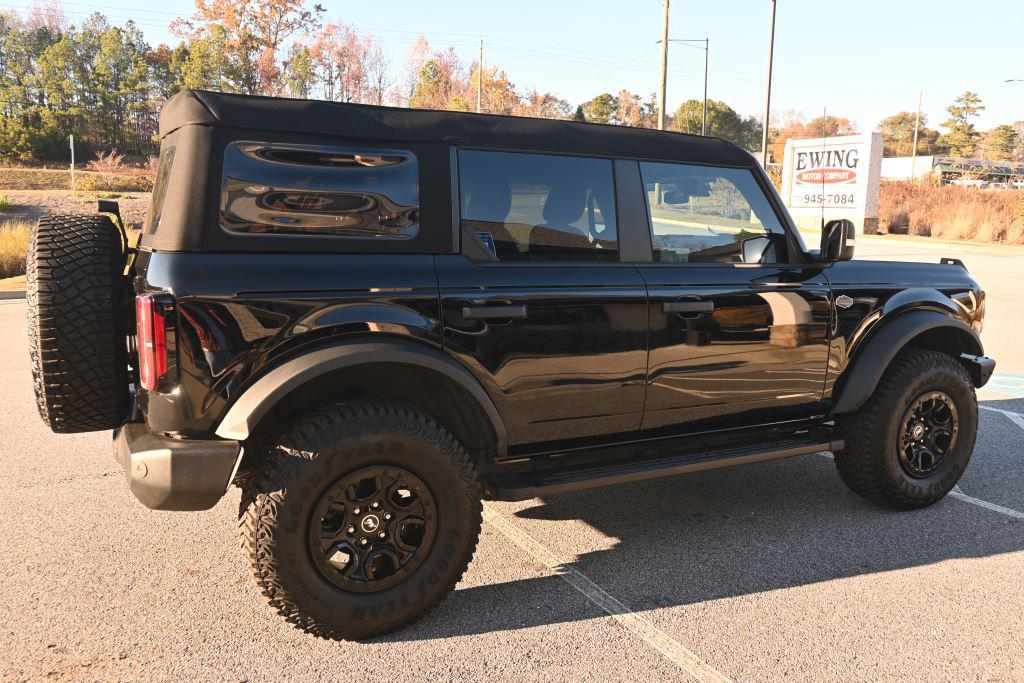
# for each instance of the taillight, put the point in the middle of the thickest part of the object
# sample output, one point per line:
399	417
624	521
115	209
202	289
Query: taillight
152	340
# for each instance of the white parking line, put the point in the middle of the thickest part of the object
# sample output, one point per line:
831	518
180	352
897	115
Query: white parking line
1016	417
633	622
960	495
1009	512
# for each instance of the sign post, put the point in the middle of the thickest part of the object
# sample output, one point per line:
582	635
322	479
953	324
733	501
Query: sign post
828	178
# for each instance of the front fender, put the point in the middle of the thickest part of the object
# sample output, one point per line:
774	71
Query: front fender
876	351
275	385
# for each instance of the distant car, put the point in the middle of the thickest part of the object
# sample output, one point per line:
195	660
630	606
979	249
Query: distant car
1017	184
370	319
969	182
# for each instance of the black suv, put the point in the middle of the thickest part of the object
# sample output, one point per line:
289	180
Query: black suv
370	319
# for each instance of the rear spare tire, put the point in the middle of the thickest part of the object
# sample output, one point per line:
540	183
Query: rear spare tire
77	322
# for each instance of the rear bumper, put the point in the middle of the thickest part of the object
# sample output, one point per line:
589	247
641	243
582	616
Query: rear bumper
174	474
980	368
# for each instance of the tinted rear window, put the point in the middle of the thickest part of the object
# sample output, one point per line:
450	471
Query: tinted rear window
156	202
281	189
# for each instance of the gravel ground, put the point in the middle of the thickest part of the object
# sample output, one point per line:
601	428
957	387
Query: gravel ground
29	206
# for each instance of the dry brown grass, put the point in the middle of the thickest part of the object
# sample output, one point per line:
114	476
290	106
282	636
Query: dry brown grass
13	245
129	179
951	212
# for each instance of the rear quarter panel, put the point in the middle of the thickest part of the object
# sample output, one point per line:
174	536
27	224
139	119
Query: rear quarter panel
238	315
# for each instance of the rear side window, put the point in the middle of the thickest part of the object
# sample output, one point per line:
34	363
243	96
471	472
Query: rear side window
281	189
539	207
156	202
703	214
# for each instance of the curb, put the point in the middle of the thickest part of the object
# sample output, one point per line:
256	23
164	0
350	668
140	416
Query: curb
11	295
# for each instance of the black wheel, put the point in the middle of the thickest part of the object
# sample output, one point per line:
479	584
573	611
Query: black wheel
77	322
909	444
359	518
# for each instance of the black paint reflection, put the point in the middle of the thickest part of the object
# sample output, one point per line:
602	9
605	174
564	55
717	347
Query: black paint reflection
286	189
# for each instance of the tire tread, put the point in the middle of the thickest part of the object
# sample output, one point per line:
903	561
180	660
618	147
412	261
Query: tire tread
860	464
303	439
77	322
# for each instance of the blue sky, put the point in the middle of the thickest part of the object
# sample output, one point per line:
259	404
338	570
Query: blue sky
863	59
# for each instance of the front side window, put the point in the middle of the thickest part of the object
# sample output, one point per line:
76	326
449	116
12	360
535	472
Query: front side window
282	189
702	214
539	207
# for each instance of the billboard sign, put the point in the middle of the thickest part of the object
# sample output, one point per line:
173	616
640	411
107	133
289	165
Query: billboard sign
836	176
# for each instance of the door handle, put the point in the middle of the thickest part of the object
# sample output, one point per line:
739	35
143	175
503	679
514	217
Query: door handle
688	306
494	312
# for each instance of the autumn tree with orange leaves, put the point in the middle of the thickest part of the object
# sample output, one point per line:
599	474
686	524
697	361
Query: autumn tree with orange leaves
254	33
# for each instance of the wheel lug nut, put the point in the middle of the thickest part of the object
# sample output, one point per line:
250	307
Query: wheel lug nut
362	541
387	515
351	530
381	534
375	505
356	511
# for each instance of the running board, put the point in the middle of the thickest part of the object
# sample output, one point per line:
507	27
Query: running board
526	485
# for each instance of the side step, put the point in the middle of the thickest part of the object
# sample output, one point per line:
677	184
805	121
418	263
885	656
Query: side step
531	484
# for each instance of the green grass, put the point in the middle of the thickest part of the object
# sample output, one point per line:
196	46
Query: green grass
5	203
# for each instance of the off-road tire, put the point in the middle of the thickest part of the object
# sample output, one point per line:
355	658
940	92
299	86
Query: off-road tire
869	464
302	461
77	318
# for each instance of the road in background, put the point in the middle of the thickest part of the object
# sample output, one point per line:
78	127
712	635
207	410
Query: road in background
762	572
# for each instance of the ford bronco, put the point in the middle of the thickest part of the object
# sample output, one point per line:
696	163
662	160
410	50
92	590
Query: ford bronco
371	319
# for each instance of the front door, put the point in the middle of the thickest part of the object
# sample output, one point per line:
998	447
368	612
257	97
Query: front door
544	314
739	329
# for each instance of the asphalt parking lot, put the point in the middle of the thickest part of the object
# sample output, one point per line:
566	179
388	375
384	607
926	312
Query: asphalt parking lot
764	572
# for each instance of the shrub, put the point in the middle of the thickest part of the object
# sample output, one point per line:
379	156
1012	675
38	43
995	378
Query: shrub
100	182
108	164
948	211
5	203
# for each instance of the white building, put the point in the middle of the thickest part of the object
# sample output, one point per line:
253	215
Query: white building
899	168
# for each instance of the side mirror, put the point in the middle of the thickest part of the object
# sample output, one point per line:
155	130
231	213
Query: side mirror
756	249
837	241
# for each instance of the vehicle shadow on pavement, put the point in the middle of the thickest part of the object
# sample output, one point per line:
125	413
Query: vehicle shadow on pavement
721	534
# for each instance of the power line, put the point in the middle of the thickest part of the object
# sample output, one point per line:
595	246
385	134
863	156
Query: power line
525	48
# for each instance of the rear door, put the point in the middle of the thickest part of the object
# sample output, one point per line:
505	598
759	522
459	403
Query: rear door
539	305
739	327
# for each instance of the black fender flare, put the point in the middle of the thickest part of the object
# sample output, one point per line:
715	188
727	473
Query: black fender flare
861	377
245	413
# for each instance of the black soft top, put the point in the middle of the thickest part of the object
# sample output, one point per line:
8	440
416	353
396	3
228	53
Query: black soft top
279	114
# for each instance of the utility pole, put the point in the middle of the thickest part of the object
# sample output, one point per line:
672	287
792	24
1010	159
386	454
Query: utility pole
71	143
704	116
664	70
480	79
768	91
917	128
706	48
